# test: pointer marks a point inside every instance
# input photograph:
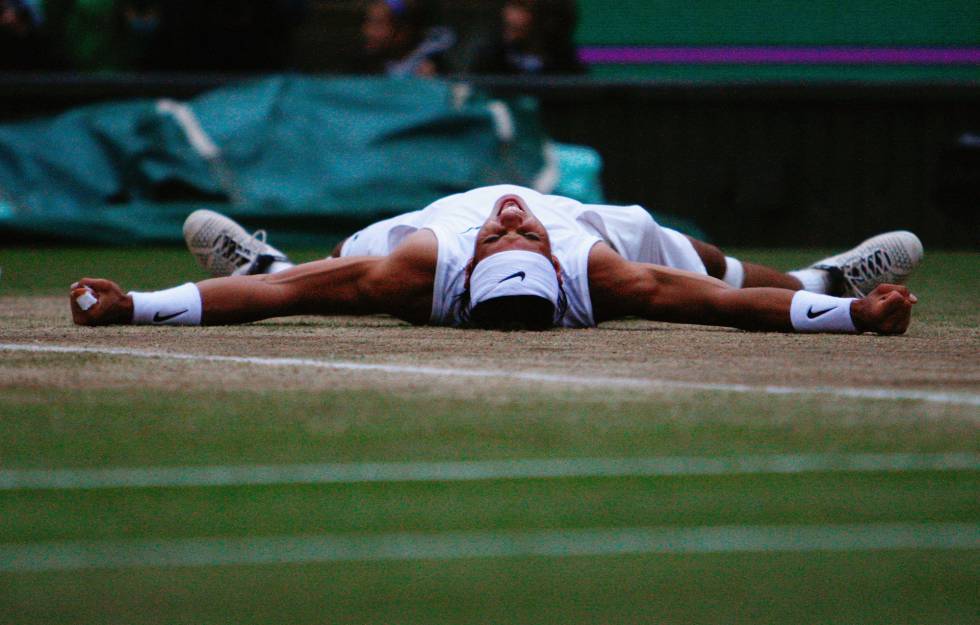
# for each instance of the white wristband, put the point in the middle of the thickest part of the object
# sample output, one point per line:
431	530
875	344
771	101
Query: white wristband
179	306
813	312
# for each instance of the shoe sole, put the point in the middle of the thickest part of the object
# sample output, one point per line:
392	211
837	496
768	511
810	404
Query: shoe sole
203	232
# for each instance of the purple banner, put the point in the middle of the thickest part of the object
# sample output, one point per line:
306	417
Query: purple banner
638	55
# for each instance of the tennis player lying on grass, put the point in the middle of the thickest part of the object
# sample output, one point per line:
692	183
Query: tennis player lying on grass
507	257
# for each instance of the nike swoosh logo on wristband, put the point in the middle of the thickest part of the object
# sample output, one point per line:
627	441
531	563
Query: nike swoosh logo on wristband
812	314
158	318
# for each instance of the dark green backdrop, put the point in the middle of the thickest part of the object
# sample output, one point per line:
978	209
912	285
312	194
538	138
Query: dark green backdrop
784	23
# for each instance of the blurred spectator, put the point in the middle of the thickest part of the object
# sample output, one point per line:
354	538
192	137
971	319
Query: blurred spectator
399	39
24	46
534	37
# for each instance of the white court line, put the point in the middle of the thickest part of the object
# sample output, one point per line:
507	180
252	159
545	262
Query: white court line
520	469
558	543
969	399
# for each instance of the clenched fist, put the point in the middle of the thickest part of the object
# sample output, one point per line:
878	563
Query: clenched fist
112	306
885	310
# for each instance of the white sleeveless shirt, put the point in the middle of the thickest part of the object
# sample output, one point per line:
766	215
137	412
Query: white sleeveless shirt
574	228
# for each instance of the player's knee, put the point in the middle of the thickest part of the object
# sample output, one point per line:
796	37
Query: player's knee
712	257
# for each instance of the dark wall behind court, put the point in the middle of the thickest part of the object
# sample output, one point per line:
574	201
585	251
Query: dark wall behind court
788	164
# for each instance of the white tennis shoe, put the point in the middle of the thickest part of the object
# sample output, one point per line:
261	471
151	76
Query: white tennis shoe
224	248
886	258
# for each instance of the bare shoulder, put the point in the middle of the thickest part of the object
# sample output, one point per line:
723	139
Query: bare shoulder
612	279
406	277
419	251
605	260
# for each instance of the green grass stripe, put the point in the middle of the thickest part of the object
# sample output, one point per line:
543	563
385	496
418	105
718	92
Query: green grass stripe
32	516
957	398
350	473
42	557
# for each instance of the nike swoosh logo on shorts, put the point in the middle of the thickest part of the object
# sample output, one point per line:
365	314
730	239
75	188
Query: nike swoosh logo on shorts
811	314
158	318
519	274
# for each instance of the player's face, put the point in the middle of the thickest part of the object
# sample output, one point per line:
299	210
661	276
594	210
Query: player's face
511	226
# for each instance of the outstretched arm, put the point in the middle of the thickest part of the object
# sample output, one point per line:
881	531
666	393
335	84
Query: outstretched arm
620	288
399	284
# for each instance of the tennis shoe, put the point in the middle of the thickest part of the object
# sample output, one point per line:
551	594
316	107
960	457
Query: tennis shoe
223	248
885	258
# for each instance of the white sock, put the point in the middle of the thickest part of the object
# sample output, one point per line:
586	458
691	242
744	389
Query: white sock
734	272
814	280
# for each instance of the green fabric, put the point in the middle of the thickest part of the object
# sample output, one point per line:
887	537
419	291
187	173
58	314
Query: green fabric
304	157
579	167
785	23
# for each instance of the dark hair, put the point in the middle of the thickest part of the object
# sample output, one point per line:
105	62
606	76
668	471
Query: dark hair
514	312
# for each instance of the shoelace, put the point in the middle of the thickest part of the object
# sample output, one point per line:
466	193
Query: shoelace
869	267
232	250
258	235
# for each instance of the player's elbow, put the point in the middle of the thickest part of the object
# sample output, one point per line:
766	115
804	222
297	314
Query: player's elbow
403	292
646	292
375	292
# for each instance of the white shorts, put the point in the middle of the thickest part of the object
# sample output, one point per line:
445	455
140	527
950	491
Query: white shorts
636	236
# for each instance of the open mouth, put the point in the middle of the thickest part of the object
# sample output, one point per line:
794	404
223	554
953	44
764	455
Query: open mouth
510	201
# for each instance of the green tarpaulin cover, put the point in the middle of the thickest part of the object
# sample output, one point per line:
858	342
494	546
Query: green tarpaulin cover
309	158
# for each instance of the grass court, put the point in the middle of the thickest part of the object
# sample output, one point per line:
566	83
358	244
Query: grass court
344	470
